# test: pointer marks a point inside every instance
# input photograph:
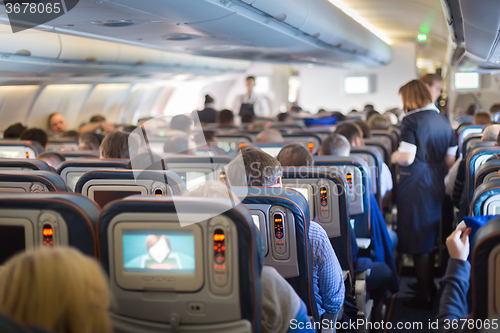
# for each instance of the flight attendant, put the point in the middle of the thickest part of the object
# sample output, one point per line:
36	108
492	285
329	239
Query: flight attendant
251	103
427	145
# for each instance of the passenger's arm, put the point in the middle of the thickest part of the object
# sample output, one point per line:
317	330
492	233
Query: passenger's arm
92	127
453	305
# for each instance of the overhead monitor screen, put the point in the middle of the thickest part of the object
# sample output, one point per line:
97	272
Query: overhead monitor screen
466	80
357	85
159	251
273	151
256	220
12	241
192	179
102	198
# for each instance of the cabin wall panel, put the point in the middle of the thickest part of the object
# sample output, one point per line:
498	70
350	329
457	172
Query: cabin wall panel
15	102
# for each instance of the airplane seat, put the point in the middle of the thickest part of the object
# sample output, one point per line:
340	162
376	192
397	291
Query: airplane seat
8	325
72	170
231	143
29	220
387	137
486	172
486	199
19	149
397	133
468	142
211	283
76	154
63	144
104	186
485	271
381	147
374	159
31	181
209	151
283	216
465	131
474	160
311	141
23	164
357	175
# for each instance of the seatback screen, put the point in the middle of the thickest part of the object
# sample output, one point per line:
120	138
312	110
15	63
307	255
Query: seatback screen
12	241
102	198
256	220
497	210
154	251
193	179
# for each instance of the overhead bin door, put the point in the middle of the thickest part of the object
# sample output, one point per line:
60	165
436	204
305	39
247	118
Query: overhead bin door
295	11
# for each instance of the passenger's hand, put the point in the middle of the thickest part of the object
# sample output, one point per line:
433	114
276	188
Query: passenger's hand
458	243
108	128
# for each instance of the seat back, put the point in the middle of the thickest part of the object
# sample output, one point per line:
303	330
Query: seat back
63	144
486	199
284	223
465	131
71	171
485	261
208	282
468	142
382	147
19	149
486	172
232	143
30	220
325	190
76	154
374	159
23	164
104	186
311	141
387	137
357	175
475	159
31	181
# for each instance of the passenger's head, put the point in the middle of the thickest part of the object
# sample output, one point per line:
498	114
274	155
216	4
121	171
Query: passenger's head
481	118
225	118
70	134
365	130
90	141
294	109
269	136
247	118
368	108
380	123
371	114
352	133
118	145
97	118
57	123
261	169
179	144
433	82
490	133
14	131
37	135
57	289
335	145
51	158
209	101
473	109
415	95
495	108
295	155
182	123
284	117
250	83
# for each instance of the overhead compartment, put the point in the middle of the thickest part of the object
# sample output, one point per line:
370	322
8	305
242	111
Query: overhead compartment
29	43
294	13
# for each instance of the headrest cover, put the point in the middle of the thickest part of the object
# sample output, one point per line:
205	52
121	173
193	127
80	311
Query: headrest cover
53	181
24	163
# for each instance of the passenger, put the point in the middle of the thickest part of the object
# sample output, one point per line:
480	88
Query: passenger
473	109
179	144
208	115
269	136
494	109
284	117
433	82
335	145
51	158
56	124
481	118
365	130
368	108
119	145
371	114
70	134
58	289
293	155
180	124
247	118
380	123
428	142
225	118
280	304
97	124
251	103
14	131
261	169
37	135
206	138
90	141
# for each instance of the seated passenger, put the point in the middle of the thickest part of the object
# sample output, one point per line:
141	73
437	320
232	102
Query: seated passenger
56	124
225	118
68	291
335	145
180	124
37	135
261	169
179	144
70	134
90	141
97	124
51	158
355	136
206	138
285	117
119	145
295	155
280	304
481	118
380	122
14	131
269	136
365	130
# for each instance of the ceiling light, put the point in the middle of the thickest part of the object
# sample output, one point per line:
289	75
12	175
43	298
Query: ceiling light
354	15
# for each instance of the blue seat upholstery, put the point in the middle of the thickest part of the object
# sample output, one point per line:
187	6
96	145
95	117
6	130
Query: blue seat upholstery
154	310
486	199
20	149
33	181
375	161
465	131
7	325
71	216
475	158
31	164
486	171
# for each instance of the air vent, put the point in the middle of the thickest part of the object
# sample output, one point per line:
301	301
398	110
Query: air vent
117	23
179	37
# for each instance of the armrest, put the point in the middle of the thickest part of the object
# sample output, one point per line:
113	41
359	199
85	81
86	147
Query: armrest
331	319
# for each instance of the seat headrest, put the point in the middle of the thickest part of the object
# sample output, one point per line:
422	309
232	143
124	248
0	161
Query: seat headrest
52	181
24	163
33	145
93	163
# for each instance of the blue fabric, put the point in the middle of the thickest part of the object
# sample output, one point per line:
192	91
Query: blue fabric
381	245
302	320
320	121
329	288
476	222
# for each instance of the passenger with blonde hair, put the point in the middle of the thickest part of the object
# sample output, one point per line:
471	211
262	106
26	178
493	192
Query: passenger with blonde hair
427	146
58	289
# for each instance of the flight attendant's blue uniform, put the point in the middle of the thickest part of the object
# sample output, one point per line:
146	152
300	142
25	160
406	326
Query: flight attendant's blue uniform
430	136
